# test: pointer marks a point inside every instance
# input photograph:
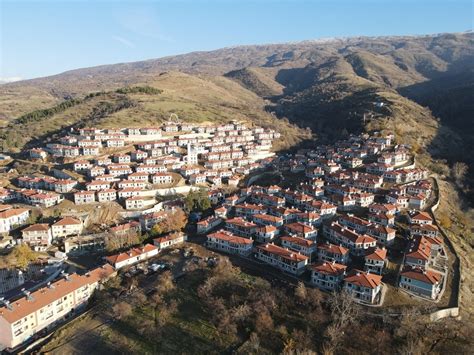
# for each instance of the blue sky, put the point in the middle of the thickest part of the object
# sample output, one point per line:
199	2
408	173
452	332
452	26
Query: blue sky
39	38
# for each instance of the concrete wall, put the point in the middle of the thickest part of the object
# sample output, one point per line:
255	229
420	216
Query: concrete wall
444	313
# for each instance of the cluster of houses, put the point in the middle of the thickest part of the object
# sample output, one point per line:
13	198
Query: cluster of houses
136	161
340	217
336	228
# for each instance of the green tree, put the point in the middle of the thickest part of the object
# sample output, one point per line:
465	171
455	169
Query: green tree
197	201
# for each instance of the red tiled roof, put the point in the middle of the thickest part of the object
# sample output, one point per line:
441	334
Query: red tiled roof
361	278
282	252
333	268
377	254
229	237
426	276
44	296
66	221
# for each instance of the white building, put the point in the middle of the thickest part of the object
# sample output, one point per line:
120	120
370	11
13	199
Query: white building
13	217
22	319
363	286
229	243
133	256
66	226
327	275
281	258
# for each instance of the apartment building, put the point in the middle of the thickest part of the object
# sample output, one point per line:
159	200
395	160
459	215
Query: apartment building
66	226
13	217
229	243
38	236
363	286
133	256
327	275
281	258
22	319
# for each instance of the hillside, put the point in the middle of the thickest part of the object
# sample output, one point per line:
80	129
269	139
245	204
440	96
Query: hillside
417	87
193	98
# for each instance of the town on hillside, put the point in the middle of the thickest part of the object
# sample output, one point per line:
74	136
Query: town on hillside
353	217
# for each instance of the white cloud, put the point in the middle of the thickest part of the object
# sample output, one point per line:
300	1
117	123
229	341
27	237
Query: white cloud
10	79
124	41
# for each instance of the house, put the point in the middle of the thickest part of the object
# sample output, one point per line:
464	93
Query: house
170	240
383	208
310	218
83	197
207	224
66	226
38	153
424	283
401	201
13	217
301	230
358	224
332	253
97	185
420	218
148	220
90	151
138	177
137	202
126	184
327	275
47	306
385	219
82	165
357	243
363	286
45	199
375	260
265	234
240	227
229	243
422	250
428	230
248	210
267	220
324	209
121	158
64	186
126	228
300	245
197	179
106	195
384	235
281	258
129	192
38	236
162	178
417	201
132	256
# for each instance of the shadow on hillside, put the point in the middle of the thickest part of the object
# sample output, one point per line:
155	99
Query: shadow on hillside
330	119
450	97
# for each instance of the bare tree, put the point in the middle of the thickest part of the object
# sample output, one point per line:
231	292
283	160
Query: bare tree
459	172
121	310
301	293
344	312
